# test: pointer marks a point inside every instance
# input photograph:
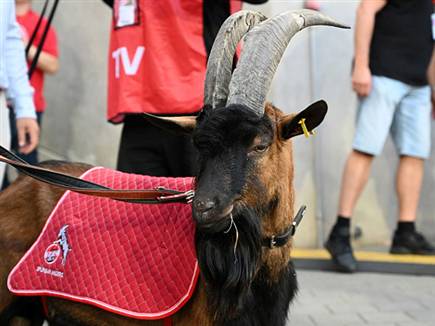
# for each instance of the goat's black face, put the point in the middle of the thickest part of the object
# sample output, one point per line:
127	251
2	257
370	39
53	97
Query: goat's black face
235	147
229	141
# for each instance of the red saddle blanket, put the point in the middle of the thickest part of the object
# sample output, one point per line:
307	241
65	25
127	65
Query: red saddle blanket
137	260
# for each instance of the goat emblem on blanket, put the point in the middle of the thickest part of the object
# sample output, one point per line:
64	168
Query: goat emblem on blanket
62	241
59	246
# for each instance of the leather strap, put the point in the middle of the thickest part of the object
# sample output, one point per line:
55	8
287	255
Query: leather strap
280	240
36	30
34	62
65	181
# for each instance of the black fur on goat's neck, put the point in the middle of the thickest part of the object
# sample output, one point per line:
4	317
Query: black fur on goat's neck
239	289
270	302
228	272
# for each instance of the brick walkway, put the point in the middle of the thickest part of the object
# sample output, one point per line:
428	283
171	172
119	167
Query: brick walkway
333	299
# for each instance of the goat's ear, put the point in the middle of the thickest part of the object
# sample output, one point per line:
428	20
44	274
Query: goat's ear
290	125
178	125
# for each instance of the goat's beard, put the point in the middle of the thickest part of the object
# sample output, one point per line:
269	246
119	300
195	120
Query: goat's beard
229	271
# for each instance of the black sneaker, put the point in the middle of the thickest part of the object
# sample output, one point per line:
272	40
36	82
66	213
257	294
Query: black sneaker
411	243
338	246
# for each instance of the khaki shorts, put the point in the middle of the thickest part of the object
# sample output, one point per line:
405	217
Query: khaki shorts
395	108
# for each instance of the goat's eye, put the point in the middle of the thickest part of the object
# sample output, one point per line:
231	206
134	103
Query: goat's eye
260	148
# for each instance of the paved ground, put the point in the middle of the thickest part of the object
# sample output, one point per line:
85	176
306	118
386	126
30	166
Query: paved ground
333	299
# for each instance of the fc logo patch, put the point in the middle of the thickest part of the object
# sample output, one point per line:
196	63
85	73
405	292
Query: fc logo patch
59	248
52	253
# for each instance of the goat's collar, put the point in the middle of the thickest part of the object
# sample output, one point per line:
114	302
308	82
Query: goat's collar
280	240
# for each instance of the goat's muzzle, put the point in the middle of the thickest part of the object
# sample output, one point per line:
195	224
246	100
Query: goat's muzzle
211	217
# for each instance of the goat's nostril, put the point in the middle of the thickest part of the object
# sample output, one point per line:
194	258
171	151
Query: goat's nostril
204	206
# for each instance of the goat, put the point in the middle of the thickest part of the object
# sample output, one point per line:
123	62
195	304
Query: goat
244	193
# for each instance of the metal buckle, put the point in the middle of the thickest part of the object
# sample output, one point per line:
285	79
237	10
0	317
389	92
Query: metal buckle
188	196
272	242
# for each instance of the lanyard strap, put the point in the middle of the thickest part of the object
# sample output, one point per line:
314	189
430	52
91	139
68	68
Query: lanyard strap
44	36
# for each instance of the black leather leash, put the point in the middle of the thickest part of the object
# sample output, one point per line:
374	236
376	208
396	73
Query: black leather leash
148	196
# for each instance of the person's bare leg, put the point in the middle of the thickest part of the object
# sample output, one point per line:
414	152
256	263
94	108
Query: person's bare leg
409	179
408	185
355	175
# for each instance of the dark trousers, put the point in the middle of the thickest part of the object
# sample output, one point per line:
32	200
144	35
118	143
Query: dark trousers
148	150
32	157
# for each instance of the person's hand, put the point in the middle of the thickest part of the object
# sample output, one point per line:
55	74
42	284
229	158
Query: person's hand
28	134
362	80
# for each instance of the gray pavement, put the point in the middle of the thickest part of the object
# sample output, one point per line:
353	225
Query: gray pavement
333	299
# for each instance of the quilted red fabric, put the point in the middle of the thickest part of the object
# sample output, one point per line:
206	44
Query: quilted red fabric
137	260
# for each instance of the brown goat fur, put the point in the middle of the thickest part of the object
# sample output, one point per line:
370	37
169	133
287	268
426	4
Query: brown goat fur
279	182
275	171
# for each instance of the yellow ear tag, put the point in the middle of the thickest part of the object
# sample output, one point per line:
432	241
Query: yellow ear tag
305	129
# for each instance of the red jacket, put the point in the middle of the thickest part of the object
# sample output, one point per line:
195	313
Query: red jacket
157	58
28	23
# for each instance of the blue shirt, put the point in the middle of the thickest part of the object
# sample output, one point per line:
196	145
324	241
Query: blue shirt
13	67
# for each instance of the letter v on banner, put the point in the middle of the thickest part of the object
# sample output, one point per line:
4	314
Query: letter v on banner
130	67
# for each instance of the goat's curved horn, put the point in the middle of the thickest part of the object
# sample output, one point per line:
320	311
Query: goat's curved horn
262	51
220	62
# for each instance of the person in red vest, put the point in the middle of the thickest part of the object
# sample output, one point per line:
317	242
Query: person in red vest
157	64
48	63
